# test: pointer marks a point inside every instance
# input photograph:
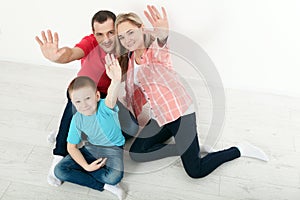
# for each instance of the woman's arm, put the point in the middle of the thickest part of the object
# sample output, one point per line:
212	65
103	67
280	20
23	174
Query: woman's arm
160	24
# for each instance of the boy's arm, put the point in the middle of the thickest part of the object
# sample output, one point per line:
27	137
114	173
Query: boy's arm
79	159
51	51
114	72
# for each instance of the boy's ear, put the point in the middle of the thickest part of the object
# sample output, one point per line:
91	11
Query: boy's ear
98	95
70	97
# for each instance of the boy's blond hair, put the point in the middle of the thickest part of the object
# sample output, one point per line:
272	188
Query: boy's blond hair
80	82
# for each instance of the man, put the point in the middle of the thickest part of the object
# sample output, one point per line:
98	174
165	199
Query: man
91	50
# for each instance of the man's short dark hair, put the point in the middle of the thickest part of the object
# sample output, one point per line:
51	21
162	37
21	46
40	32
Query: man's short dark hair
102	16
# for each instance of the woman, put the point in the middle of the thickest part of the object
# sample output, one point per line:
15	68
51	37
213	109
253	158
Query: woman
160	103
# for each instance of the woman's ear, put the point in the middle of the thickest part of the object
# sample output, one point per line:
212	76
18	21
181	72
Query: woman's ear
143	28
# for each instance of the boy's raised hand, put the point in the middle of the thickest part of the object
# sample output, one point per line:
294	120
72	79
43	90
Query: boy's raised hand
113	69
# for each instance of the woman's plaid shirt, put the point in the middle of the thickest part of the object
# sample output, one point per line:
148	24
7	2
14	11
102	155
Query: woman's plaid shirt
158	85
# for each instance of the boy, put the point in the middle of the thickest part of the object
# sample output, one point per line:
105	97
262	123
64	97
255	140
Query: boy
91	50
99	164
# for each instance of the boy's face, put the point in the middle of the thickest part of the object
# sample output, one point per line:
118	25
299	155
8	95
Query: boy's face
85	100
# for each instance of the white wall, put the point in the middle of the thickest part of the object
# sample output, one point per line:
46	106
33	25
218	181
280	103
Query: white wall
253	43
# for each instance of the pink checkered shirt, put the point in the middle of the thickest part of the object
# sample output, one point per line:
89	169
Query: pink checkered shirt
158	87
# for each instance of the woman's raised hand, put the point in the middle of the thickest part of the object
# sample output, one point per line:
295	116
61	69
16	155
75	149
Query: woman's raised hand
159	22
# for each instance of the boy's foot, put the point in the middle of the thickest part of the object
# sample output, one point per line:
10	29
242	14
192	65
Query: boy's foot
51	178
116	189
51	138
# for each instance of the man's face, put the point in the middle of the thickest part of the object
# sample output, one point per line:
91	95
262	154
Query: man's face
104	34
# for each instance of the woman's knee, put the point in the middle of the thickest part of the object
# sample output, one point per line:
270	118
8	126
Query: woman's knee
137	152
195	173
137	157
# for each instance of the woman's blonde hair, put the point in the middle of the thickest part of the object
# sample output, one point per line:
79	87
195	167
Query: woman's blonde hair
122	52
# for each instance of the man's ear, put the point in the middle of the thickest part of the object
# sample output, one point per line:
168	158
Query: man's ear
98	95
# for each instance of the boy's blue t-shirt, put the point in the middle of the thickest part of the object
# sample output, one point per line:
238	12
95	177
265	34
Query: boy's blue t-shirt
102	128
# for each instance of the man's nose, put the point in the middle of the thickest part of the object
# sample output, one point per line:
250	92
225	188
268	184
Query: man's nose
106	37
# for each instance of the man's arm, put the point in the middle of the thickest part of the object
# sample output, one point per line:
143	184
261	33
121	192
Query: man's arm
114	72
51	51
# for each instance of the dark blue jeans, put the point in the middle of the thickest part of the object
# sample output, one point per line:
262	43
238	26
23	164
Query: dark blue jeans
128	126
150	146
112	173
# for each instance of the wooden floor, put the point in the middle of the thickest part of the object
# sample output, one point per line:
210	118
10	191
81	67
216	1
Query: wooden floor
31	104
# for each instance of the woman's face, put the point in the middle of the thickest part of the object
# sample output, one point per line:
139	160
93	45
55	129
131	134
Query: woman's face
130	36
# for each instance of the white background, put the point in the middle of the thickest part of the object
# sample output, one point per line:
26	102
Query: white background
254	44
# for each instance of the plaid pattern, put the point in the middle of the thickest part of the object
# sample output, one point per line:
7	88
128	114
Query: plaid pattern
159	86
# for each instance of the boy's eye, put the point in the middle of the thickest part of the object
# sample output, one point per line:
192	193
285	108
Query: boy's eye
77	102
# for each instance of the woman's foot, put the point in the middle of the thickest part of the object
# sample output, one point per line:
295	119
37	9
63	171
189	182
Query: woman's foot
248	150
